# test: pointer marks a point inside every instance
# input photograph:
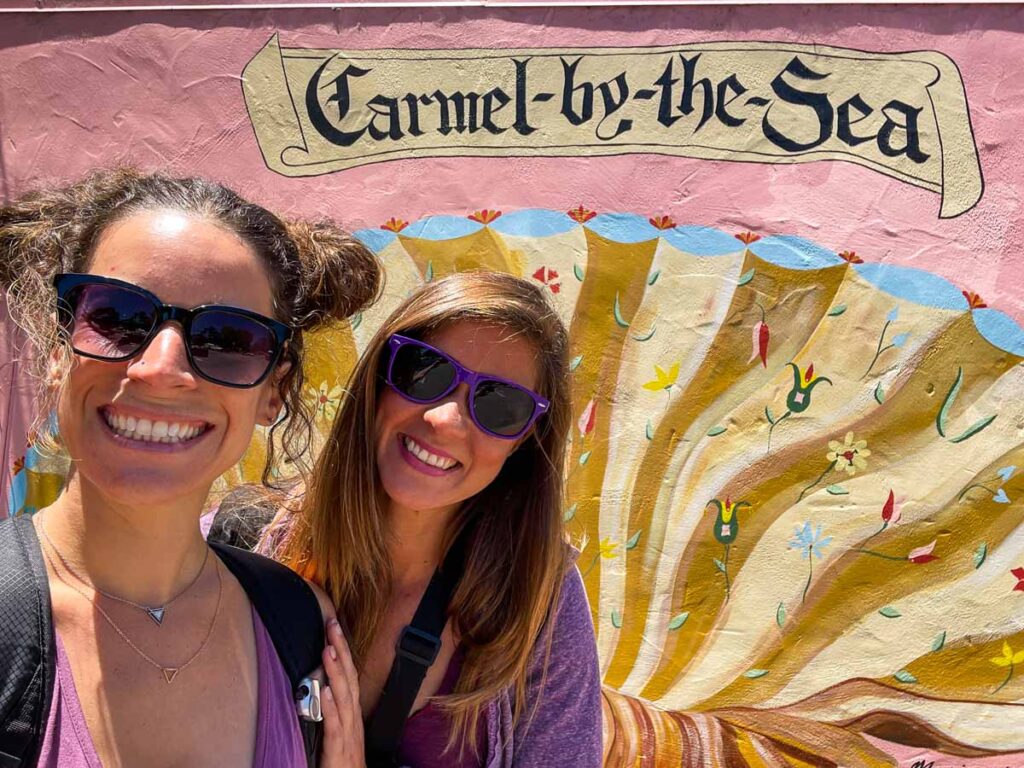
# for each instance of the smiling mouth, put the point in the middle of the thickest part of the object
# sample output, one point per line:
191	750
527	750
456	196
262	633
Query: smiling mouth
432	459
153	430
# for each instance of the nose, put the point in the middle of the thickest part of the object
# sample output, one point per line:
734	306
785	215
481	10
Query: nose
164	362
450	415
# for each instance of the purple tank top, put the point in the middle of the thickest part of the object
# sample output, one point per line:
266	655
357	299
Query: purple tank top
426	732
67	743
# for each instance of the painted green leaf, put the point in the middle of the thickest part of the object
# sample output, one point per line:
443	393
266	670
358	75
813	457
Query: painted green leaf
578	271
719	564
769	415
837	490
355	321
980	554
890	613
905	677
746	277
575	362
616	619
570	513
780	614
650	430
715	431
974	429
634	540
619	319
645	336
940	641
653	277
837	310
584	457
678	620
940	420
429	274
753	674
879	393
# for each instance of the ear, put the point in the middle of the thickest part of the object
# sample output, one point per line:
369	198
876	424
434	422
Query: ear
273	399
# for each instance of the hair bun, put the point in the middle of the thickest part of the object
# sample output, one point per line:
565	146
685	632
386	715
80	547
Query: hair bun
340	275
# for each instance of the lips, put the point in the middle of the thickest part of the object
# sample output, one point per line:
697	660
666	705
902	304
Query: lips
428	457
153	430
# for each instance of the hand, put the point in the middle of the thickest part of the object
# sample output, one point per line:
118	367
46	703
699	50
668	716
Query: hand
339	702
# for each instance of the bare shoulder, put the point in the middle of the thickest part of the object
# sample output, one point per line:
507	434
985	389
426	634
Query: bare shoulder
326	606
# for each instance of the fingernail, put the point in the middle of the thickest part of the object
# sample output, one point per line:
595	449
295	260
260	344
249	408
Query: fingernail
333	653
335	627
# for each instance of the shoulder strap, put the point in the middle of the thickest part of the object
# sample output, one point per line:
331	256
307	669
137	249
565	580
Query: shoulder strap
416	651
293	619
27	652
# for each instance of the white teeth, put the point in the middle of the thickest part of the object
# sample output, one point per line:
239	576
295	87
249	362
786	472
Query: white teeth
427	457
148	431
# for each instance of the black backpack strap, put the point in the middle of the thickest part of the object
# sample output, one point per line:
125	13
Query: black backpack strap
293	619
416	651
28	658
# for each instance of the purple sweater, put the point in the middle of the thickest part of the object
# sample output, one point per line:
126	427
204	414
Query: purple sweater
565	731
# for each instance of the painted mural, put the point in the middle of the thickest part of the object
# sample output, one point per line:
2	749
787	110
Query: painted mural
796	476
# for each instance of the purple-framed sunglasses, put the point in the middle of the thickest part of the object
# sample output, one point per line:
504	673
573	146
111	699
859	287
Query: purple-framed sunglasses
424	374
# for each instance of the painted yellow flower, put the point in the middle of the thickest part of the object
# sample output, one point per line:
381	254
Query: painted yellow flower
606	549
663	379
849	455
326	400
1008	657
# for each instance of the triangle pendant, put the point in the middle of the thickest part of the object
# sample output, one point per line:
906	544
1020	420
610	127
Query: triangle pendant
169	674
156	614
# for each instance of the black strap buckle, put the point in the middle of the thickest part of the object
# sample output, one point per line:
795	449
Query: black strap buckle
418	646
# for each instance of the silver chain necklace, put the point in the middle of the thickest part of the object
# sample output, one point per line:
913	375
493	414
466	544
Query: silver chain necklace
156	613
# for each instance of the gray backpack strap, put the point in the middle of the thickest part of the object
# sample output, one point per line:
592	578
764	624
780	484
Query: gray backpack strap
28	660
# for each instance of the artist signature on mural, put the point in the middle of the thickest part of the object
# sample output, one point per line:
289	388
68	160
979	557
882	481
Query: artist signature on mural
933	764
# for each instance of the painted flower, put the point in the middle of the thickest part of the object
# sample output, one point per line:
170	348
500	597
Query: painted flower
849	455
580	215
1018	574
19	464
808	541
1008	657
727	525
759	343
485	216
891	510
587	419
662	222
747	237
922	554
326	400
394	225
804	381
663	379
549	278
851	257
974	301
606	549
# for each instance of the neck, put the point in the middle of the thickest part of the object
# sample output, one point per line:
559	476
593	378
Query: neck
143	555
416	542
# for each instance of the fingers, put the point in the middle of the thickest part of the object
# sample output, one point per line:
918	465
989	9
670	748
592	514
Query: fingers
342	670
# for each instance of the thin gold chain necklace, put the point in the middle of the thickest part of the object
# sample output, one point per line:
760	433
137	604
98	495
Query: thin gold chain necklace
156	613
169	673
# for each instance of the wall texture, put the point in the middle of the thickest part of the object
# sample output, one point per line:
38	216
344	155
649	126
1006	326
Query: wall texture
785	242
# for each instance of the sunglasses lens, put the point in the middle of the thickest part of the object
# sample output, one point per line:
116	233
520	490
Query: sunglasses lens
501	408
230	348
108	321
420	373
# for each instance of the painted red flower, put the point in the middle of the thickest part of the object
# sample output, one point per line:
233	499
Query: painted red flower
891	510
662	222
759	342
19	464
394	225
922	554
485	216
851	257
587	419
548	277
580	214
974	301
1018	574
747	237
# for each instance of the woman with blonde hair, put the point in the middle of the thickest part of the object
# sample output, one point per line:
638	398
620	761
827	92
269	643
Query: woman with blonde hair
443	475
167	316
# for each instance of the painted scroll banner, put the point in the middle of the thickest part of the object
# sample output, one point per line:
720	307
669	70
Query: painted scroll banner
903	115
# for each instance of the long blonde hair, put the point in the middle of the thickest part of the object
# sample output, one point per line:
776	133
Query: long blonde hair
515	554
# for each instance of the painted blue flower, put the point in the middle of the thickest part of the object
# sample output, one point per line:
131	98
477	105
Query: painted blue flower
900	339
809	541
1006	472
893	314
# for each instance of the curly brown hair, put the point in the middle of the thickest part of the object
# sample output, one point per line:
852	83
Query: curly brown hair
319	273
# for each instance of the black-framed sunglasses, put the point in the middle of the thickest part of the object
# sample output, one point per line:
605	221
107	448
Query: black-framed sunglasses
109	319
424	374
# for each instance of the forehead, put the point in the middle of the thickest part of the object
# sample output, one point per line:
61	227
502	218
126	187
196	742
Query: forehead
490	348
184	259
